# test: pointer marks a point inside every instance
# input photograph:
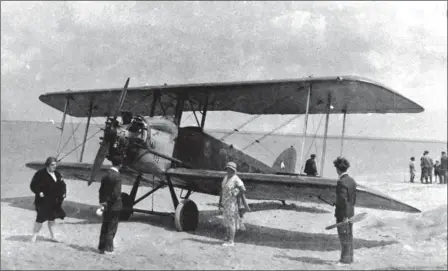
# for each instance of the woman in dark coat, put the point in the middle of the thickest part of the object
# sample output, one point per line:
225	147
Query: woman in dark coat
50	190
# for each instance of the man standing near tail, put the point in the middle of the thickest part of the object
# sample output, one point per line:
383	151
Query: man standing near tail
110	201
310	166
345	208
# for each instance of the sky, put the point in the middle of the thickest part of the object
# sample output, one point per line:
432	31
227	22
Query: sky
54	46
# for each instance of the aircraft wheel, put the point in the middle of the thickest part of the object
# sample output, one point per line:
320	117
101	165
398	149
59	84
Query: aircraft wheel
186	217
126	213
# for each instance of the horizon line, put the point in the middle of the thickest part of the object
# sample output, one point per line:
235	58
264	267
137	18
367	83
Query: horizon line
290	134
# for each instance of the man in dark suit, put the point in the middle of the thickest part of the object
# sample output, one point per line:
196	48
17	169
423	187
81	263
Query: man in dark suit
110	201
310	166
345	208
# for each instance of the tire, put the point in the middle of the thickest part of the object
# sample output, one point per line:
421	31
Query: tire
186	217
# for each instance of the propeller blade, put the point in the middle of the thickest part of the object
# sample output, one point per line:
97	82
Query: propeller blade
122	98
99	159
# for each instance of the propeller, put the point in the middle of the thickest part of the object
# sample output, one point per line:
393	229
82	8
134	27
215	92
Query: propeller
110	134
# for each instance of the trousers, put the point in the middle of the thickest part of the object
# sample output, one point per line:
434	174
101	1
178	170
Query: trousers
108	230
345	234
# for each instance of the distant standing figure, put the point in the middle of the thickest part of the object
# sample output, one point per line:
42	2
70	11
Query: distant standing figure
412	169
110	203
232	188
443	167
427	166
310	166
437	172
345	208
50	190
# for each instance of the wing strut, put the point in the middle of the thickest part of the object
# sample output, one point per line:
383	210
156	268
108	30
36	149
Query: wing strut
343	130
305	126
63	121
65	113
86	131
324	148
155	98
204	112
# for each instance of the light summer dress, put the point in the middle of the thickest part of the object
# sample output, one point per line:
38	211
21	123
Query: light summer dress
229	200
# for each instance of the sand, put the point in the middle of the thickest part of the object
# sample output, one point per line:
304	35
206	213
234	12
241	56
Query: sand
291	237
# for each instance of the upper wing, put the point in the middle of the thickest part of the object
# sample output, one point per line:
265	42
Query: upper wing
281	187
347	93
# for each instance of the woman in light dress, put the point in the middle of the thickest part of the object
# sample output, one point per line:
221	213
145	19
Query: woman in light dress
231	190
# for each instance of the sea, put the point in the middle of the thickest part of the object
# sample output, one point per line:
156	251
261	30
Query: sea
372	160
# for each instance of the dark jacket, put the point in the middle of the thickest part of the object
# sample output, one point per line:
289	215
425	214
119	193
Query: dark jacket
443	163
54	192
345	197
310	167
110	190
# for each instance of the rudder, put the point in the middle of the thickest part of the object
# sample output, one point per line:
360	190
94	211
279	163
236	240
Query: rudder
286	161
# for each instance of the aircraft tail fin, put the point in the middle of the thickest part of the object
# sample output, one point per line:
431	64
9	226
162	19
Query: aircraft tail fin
286	161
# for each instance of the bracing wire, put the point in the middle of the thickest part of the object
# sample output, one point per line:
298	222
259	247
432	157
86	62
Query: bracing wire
239	127
271	132
78	146
60	151
314	138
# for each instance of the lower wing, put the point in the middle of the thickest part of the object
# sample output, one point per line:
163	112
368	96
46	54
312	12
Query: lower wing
282	187
258	185
81	171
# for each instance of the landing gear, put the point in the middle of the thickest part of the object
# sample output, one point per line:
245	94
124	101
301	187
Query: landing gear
127	211
186	217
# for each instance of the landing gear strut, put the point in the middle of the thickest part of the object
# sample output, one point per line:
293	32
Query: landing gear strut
127	211
186	215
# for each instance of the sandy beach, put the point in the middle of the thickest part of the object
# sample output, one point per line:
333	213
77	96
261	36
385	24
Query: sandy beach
291	237
277	237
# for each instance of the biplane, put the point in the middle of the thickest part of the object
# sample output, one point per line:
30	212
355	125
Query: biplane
143	126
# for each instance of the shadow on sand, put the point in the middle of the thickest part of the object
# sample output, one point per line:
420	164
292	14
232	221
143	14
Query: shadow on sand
27	239
310	260
272	205
72	209
211	227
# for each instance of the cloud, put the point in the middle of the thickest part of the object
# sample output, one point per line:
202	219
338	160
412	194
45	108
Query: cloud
82	45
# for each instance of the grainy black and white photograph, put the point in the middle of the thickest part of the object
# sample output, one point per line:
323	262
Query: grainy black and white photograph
223	135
